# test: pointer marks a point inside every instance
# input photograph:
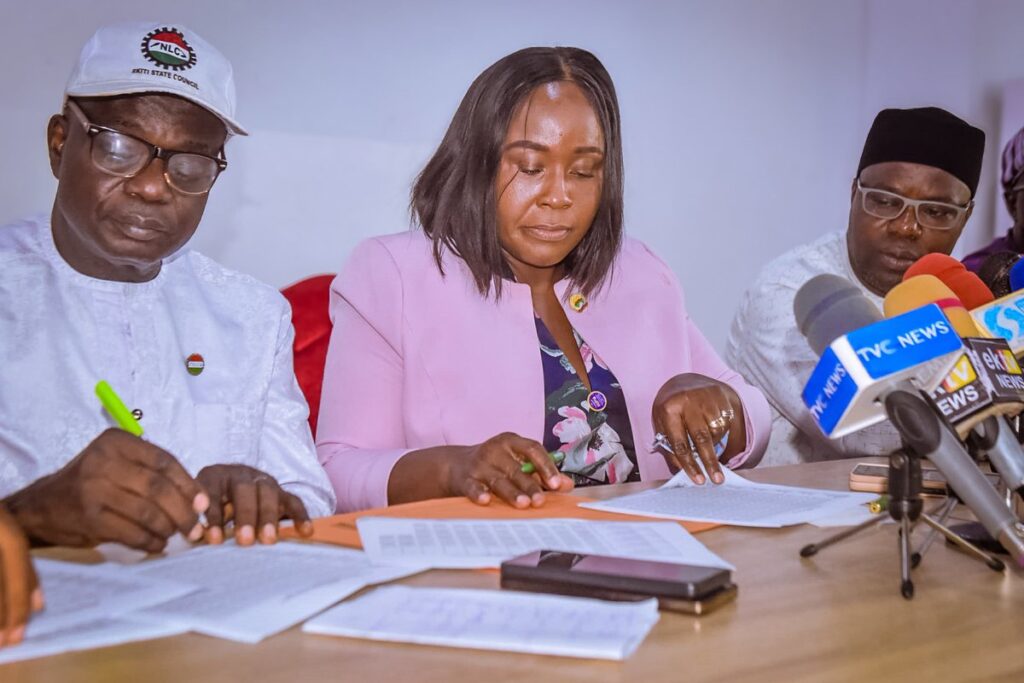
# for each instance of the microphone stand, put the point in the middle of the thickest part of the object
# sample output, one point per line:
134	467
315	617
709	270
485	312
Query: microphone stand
905	503
971	531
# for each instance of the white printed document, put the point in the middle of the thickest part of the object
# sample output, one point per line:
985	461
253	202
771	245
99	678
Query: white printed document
86	607
248	594
87	636
738	501
493	620
471	543
78	593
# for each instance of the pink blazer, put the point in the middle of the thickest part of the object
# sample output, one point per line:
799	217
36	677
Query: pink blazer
419	360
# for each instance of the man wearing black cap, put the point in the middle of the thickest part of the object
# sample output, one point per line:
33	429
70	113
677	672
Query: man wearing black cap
912	195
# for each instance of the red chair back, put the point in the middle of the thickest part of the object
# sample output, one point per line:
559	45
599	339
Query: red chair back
309	299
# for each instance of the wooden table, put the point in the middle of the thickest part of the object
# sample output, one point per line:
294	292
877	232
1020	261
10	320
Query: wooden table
838	616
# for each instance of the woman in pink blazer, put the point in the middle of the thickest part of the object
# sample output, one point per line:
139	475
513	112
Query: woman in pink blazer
520	327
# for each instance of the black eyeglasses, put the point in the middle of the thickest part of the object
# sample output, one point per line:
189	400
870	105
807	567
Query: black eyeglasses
124	155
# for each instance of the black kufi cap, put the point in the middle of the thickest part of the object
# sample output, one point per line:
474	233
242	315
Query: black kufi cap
929	136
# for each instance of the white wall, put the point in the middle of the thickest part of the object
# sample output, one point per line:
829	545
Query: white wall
743	120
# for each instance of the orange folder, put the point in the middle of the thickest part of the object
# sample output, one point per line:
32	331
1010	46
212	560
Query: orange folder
341	529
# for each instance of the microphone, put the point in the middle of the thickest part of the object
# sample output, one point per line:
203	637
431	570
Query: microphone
868	371
864	356
923	289
985	384
967	286
992	356
1004	317
995	272
1016	277
828	306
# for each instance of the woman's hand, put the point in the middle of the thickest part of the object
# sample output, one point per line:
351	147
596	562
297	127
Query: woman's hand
698	409
495	468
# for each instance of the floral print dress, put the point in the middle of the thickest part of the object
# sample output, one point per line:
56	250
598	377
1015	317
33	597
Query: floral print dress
598	444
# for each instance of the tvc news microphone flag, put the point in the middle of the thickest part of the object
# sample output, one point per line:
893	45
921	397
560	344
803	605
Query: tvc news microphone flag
852	372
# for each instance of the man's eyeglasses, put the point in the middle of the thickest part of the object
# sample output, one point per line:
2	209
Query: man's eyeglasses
124	155
930	214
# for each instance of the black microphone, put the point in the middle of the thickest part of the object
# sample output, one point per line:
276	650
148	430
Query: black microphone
995	272
827	310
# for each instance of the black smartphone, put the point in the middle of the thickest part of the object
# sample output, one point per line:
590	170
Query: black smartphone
678	587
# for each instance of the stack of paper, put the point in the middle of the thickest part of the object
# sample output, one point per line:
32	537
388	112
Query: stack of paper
243	594
87	635
79	593
493	620
466	543
87	607
248	594
738	502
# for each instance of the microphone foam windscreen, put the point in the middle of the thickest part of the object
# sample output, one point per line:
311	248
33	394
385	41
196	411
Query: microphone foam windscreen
966	286
1017	276
932	264
927	289
995	272
828	306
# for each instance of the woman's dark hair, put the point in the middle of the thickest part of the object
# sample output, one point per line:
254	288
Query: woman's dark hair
453	198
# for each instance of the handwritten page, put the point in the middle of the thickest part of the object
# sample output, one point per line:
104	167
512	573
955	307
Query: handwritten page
248	594
467	543
738	501
493	620
87	636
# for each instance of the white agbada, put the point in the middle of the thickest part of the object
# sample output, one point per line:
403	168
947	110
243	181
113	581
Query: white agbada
62	331
766	347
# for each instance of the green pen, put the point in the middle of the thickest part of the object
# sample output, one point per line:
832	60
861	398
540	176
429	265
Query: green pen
557	456
117	409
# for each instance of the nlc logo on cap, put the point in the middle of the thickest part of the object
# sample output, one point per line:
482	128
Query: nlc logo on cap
167	47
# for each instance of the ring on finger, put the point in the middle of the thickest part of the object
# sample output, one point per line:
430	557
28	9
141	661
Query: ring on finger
719	423
728	413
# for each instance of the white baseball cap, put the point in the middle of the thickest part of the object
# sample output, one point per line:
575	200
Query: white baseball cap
140	57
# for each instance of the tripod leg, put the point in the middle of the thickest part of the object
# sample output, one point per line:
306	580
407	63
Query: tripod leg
813	548
994	563
906	585
945	510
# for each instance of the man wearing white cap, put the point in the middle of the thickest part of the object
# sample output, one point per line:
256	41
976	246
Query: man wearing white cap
103	288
